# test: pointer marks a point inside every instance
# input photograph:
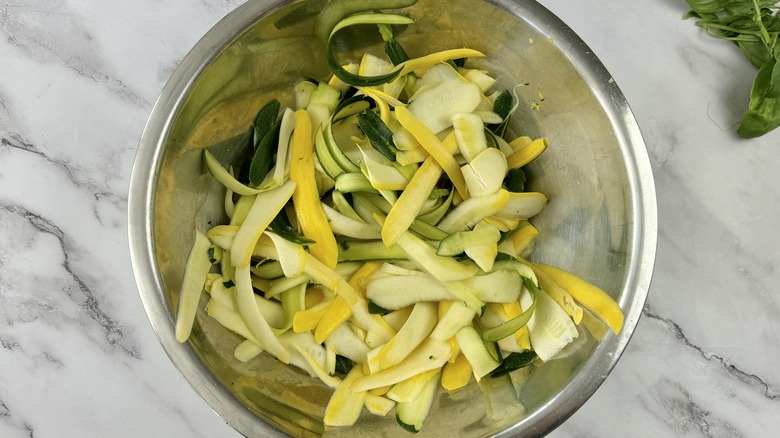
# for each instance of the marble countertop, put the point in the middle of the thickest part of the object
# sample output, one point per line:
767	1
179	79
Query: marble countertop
79	358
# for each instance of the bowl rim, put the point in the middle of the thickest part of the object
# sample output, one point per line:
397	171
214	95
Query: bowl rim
149	156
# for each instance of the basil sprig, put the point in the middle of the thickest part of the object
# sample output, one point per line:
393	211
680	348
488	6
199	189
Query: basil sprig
754	26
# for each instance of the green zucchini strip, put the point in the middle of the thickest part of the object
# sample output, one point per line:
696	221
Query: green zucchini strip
336	10
503	330
369	18
225	178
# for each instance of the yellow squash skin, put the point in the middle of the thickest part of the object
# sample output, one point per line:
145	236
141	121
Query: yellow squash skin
306	198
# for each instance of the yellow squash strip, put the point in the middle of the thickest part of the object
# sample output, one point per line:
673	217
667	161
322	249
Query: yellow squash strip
264	209
457	374
501	224
415	330
450	143
261	284
526	154
308	210
469	212
247	351
408	389
223	236
265	248
522	336
588	295
520	142
292	256
329	380
438	151
432	354
305	320
329	278
411	156
321	274
381	95
270	310
455	349
557	293
405	210
378	405
345	404
338	312
211	277
241	209
230	319
195	274
419	65
360	278
522	237
596	328
381	390
225	177
247	306
384	108
444	269
381	100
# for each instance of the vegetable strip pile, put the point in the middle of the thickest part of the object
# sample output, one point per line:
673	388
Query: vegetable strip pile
377	241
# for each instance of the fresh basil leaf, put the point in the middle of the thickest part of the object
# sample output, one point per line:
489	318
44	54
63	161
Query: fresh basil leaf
513	362
515	180
376	309
503	107
264	120
343	364
763	114
380	136
755	52
264	156
281	226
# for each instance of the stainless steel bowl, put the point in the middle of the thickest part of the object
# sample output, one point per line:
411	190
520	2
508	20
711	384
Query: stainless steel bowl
600	223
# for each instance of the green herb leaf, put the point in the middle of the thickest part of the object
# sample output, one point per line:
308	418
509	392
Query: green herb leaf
755	51
380	136
343	364
264	156
375	309
513	362
503	107
281	226
515	180
763	114
264	120
754	27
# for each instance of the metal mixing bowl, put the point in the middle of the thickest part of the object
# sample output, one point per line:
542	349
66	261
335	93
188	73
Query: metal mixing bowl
600	222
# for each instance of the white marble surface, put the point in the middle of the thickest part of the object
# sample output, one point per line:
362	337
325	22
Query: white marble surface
79	358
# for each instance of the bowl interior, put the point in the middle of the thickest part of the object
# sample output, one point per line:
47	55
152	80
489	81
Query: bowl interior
598	224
